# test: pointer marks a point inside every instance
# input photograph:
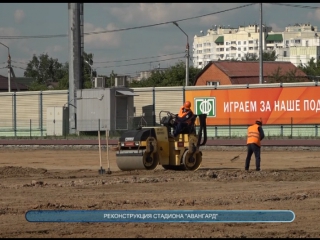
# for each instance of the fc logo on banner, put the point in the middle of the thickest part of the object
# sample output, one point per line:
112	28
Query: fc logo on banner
205	106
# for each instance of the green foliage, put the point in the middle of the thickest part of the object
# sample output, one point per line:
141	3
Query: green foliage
87	81
250	57
290	76
35	86
64	81
173	76
312	68
266	56
44	68
269	56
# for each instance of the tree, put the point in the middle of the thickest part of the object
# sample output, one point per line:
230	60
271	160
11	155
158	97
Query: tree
276	76
44	69
88	59
266	56
269	56
289	76
312	68
64	81
250	57
173	76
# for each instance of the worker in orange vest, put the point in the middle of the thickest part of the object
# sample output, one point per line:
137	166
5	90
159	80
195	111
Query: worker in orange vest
183	119
254	138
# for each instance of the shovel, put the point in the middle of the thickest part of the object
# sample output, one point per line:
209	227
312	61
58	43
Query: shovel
237	157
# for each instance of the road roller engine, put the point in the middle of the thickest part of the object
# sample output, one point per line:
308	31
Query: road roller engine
148	147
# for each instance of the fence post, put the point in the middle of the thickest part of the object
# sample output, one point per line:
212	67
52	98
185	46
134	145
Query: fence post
154	107
316	134
15	114
30	129
291	126
41	113
216	131
229	127
281	130
99	124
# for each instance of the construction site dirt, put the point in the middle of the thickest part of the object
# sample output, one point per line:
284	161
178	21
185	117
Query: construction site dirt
69	179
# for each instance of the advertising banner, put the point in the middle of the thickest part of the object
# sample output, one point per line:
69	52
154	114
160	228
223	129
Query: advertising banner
281	105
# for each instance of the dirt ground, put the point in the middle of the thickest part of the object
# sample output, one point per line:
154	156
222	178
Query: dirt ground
69	179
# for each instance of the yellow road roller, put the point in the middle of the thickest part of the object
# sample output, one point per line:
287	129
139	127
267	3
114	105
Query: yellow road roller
148	147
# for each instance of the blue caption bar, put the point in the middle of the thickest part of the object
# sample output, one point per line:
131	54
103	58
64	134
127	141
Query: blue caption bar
160	216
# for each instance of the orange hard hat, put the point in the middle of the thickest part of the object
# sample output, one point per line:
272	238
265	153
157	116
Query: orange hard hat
187	105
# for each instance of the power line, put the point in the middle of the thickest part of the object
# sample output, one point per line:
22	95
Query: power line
125	60
298	6
139	58
19	62
124	29
19	67
140	63
121	65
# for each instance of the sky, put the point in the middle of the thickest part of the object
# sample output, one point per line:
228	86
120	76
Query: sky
154	41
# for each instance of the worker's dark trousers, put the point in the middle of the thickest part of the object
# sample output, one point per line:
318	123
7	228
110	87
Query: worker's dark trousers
253	148
179	127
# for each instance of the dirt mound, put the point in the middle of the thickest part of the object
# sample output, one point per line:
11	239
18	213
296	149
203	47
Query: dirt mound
11	171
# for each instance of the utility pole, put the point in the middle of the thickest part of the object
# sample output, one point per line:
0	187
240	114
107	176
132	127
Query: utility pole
187	56
9	72
9	67
261	49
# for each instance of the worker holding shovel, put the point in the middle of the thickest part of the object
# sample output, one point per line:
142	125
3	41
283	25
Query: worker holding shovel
254	138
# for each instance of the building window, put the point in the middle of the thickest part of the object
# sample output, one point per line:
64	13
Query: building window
250	42
250	48
233	42
284	53
239	49
239	55
297	41
213	83
244	42
244	49
239	42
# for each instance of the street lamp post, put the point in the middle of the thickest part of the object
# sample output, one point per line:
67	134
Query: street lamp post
9	67
90	71
187	57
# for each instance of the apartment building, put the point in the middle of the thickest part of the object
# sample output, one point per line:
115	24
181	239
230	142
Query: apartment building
148	73
297	44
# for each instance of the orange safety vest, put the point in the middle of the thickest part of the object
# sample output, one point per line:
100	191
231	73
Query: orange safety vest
183	114
253	135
